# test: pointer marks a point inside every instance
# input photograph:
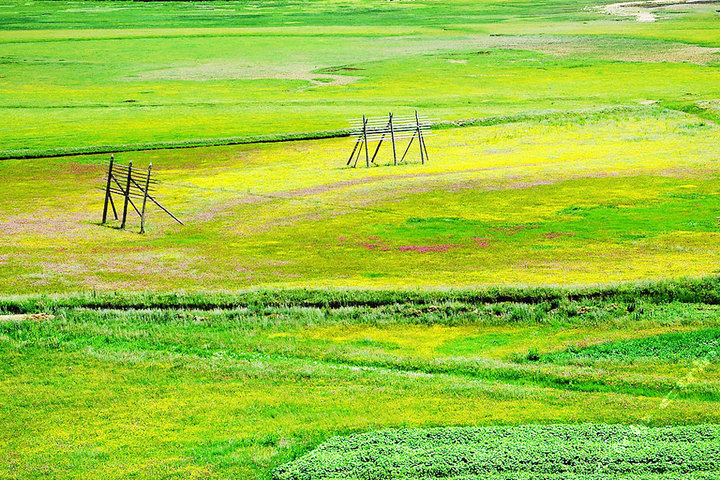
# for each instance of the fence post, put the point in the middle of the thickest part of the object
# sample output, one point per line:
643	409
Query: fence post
107	188
420	139
127	194
147	187
367	154
392	135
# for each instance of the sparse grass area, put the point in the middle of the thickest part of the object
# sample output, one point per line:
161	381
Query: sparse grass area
232	386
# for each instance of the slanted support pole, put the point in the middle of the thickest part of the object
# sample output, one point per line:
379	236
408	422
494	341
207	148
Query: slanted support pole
377	149
127	195
392	135
367	153
427	157
420	139
145	196
408	147
107	190
353	152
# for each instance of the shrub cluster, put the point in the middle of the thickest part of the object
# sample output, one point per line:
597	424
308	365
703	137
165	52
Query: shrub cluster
522	452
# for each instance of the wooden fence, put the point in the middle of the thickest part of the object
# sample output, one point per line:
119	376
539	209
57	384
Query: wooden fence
128	184
395	128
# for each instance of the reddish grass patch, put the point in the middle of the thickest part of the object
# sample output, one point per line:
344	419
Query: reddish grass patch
428	248
559	234
480	242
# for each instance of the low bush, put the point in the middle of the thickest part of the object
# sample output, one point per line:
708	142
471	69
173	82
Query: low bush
522	452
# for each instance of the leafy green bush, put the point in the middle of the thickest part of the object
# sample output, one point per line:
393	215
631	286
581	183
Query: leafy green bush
522	452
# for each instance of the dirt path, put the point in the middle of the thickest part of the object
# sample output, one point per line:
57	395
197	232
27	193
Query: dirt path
645	11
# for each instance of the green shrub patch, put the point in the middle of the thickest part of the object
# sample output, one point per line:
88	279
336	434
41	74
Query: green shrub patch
521	452
674	347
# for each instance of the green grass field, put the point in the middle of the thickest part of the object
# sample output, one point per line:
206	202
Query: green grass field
233	386
549	275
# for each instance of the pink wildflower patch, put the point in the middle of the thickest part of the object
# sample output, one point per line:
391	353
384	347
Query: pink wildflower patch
480	242
373	243
428	248
559	234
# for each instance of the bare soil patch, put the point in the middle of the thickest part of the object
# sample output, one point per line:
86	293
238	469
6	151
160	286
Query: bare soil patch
647	11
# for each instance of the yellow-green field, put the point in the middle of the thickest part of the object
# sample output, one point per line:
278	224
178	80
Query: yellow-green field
575	146
234	386
588	198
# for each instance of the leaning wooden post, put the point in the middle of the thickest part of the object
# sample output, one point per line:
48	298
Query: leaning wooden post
353	152
392	135
367	153
142	213
420	140
377	149
127	194
427	157
107	188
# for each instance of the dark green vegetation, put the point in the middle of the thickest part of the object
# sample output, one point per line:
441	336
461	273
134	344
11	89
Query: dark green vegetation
698	345
582	452
234	385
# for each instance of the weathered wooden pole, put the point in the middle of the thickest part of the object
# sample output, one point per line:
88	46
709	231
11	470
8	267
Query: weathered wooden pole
359	152
392	135
427	157
107	188
367	154
408	147
353	152
145	196
127	194
377	149
420	141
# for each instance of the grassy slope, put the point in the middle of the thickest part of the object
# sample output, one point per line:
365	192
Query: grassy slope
563	199
231	386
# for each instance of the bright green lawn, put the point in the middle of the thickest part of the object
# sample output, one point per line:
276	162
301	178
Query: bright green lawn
189	73
171	387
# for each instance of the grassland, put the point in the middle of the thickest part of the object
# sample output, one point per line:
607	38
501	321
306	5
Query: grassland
574	147
234	72
233	386
561	200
